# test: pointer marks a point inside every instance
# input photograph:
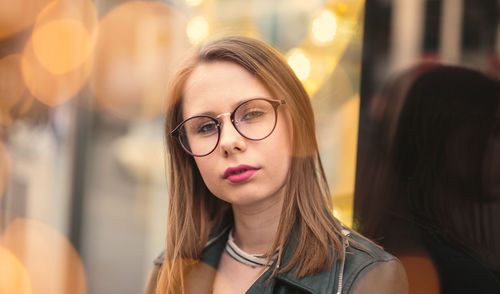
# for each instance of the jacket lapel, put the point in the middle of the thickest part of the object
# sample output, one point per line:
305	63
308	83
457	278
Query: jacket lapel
319	283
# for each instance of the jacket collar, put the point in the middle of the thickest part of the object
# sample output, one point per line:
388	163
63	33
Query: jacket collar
322	282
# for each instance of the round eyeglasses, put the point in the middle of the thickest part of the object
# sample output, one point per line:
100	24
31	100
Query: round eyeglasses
254	119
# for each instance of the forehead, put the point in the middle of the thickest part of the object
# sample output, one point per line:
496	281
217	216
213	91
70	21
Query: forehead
217	87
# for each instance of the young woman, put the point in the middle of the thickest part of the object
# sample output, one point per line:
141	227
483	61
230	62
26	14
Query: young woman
249	206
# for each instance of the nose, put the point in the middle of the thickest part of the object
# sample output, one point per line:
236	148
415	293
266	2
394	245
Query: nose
230	140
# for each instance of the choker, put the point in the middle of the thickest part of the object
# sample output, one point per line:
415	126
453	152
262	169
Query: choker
253	260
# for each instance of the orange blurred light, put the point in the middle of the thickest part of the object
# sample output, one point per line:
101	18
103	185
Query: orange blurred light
422	274
136	49
62	45
52	263
5	169
12	86
51	89
57	59
13	276
18	15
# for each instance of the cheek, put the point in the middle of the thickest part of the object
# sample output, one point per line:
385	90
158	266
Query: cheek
279	167
205	166
278	149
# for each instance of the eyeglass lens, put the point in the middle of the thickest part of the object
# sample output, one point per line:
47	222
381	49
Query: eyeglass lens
254	120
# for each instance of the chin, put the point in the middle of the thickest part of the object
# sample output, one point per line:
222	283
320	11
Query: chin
241	200
247	194
248	200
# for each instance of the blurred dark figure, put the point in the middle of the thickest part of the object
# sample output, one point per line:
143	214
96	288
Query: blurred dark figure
429	190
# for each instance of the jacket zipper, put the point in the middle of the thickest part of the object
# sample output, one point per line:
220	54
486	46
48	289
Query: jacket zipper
341	274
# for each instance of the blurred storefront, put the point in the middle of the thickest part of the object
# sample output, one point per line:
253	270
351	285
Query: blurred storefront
82	88
82	85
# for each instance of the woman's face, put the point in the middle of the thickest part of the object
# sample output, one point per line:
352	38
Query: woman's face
239	171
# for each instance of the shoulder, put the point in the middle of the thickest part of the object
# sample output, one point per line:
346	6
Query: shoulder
370	269
361	250
209	259
158	261
152	279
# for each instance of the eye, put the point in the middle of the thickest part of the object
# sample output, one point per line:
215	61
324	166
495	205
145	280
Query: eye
206	128
252	114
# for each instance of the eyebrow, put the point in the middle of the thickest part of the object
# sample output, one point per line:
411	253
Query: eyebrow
209	113
233	106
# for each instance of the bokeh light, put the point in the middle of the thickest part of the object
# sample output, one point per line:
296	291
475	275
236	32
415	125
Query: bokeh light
197	29
18	15
5	169
62	45
345	120
194	2
138	45
51	262
324	27
56	61
422	274
83	11
315	57
12	87
300	64
13	276
48	88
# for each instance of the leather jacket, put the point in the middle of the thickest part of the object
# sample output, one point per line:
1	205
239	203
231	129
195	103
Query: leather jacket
366	268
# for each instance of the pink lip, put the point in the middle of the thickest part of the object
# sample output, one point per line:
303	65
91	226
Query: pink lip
239	173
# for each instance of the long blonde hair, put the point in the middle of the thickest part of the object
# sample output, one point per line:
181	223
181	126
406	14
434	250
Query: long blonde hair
194	212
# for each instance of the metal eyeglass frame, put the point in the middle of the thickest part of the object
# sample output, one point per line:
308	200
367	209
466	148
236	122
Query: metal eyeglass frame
275	103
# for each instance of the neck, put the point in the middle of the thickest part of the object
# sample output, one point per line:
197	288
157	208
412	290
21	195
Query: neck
255	227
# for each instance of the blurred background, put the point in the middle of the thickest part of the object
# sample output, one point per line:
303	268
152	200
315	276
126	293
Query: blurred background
427	183
82	84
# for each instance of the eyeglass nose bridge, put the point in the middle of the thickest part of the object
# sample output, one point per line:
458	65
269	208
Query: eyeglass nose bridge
223	114
221	123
